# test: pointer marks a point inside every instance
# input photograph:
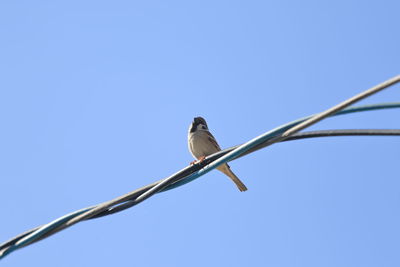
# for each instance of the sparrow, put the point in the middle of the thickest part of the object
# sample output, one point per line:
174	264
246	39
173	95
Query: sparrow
202	144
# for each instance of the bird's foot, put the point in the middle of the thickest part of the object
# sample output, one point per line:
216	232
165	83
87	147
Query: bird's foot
201	159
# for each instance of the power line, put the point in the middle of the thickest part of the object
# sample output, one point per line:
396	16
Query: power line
285	132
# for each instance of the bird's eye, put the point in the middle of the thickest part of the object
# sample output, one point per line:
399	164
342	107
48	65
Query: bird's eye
204	127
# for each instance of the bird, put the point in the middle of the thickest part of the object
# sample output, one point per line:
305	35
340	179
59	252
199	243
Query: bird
202	144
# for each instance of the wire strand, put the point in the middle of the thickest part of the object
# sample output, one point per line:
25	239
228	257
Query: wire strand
193	172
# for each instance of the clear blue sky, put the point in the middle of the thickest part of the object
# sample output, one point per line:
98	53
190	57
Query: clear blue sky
96	98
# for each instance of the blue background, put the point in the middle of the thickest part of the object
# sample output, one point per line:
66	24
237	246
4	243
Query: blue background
96	98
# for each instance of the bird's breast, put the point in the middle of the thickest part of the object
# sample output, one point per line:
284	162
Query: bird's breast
200	145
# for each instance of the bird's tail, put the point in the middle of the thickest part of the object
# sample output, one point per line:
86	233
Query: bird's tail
226	170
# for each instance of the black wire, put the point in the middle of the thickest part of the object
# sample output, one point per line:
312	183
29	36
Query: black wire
180	175
310	134
331	133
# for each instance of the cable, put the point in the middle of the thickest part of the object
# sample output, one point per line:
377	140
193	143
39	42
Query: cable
342	112
350	132
340	106
129	203
298	136
192	172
